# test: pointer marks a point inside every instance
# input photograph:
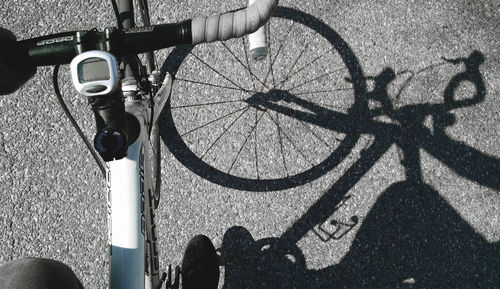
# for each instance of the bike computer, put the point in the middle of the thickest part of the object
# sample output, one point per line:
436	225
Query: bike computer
94	73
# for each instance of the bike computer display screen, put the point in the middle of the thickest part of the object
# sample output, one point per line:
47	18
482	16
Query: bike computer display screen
93	69
95	72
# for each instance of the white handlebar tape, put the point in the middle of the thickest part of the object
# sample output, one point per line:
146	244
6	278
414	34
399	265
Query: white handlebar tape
257	40
232	24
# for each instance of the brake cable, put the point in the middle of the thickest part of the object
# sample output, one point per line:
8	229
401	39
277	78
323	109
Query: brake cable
55	82
117	15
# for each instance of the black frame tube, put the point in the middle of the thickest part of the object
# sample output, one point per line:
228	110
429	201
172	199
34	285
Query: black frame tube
126	13
127	21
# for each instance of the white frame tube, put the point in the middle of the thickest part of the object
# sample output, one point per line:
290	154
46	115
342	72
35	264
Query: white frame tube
124	179
127	181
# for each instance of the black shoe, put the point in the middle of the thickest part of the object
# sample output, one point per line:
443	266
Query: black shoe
200	265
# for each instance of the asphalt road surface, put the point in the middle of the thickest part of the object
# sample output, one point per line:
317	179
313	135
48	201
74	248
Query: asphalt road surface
376	165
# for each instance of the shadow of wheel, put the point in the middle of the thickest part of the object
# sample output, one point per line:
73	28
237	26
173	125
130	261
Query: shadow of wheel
178	147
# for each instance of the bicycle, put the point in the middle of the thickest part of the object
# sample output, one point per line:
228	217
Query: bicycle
127	98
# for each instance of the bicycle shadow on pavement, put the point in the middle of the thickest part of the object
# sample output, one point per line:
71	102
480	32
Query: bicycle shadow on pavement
174	142
412	237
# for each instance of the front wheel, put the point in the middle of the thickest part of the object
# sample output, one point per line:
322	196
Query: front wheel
265	125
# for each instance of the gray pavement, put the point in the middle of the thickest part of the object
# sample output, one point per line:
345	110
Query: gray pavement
410	196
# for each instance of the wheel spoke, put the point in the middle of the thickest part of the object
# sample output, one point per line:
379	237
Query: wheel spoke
308	127
304	67
244	143
246	67
279	50
225	131
255	147
215	85
208	103
215	120
294	63
281	144
314	79
269	51
214	70
291	142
